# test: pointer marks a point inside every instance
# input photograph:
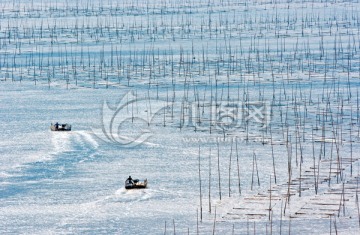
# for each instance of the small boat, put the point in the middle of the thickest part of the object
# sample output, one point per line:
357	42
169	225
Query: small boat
134	184
60	127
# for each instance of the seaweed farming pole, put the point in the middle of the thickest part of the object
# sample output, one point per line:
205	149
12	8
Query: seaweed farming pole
213	232
357	107
238	166
331	161
252	172
351	150
218	158
210	181
257	172
301	161
200	187
174	226
272	154
231	150
335	136
281	216
288	142
313	153
197	221
357	205
270	210
342	200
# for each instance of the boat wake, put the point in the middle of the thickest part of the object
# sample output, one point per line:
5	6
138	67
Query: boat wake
86	139
133	195
61	142
73	141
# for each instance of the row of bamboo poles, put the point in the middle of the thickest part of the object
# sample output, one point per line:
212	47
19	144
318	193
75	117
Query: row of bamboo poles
299	59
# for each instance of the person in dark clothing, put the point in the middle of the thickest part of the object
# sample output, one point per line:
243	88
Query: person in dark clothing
56	125
130	179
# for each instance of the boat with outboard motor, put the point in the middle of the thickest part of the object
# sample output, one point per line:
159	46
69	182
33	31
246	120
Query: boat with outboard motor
135	183
60	127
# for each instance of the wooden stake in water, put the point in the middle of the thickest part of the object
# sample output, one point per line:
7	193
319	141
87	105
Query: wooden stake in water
272	154
210	181
270	199
174	226
197	221
230	168
218	157
238	167
200	188
214	223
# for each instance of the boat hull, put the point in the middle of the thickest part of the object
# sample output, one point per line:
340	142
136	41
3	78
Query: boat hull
61	127
136	184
